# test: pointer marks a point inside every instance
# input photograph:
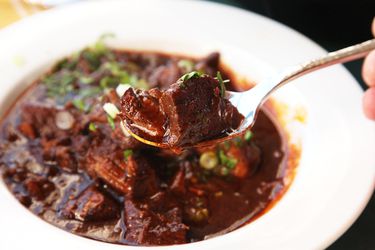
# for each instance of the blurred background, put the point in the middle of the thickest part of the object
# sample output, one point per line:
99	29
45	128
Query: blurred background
333	24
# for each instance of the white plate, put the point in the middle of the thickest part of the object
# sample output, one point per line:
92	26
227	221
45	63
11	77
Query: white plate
336	175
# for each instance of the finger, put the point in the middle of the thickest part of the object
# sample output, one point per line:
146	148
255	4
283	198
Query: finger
369	103
368	69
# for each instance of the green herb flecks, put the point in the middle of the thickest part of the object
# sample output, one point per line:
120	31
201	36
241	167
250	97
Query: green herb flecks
100	45
88	74
59	83
92	127
111	122
67	63
86	79
108	82
186	65
79	104
98	51
111	110
127	154
89	92
248	135
221	84
188	76
227	161
118	74
141	84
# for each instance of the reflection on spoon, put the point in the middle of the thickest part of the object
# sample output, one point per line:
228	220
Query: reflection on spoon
198	111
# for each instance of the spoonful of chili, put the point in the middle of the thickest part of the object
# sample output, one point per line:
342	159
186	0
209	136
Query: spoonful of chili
198	111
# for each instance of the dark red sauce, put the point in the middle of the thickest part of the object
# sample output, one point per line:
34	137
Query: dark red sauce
69	162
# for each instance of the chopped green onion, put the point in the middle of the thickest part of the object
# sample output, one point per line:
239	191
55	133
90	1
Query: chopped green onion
122	88
92	57
79	104
108	82
111	110
226	160
92	127
187	76
67	63
223	171
89	92
59	84
221	84
141	84
208	160
86	79
127	153
186	65
133	79
100	45
248	135
111	122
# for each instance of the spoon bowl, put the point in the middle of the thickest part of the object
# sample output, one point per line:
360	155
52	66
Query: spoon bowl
249	102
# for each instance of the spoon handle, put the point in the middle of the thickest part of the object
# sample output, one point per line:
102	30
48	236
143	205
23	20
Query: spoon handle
340	56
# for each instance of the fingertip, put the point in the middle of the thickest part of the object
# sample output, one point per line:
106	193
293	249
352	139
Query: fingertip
368	69
369	103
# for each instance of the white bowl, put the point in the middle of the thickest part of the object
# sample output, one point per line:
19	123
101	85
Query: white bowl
335	176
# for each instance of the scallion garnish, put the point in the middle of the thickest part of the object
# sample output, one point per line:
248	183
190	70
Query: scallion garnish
122	88
79	104
226	160
127	153
86	79
208	160
111	122
92	127
248	135
221	84
111	110
186	65
187	76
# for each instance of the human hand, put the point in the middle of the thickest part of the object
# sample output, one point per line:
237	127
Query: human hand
368	74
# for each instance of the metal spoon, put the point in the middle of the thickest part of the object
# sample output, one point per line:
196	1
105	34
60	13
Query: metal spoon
249	102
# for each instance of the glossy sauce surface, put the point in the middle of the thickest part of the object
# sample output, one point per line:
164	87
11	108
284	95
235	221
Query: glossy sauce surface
68	161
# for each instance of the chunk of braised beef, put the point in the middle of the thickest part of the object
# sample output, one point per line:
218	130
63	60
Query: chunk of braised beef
164	75
62	156
131	176
196	111
209	64
99	166
142	113
38	120
27	130
146	227
91	205
39	187
186	113
146	182
65	159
